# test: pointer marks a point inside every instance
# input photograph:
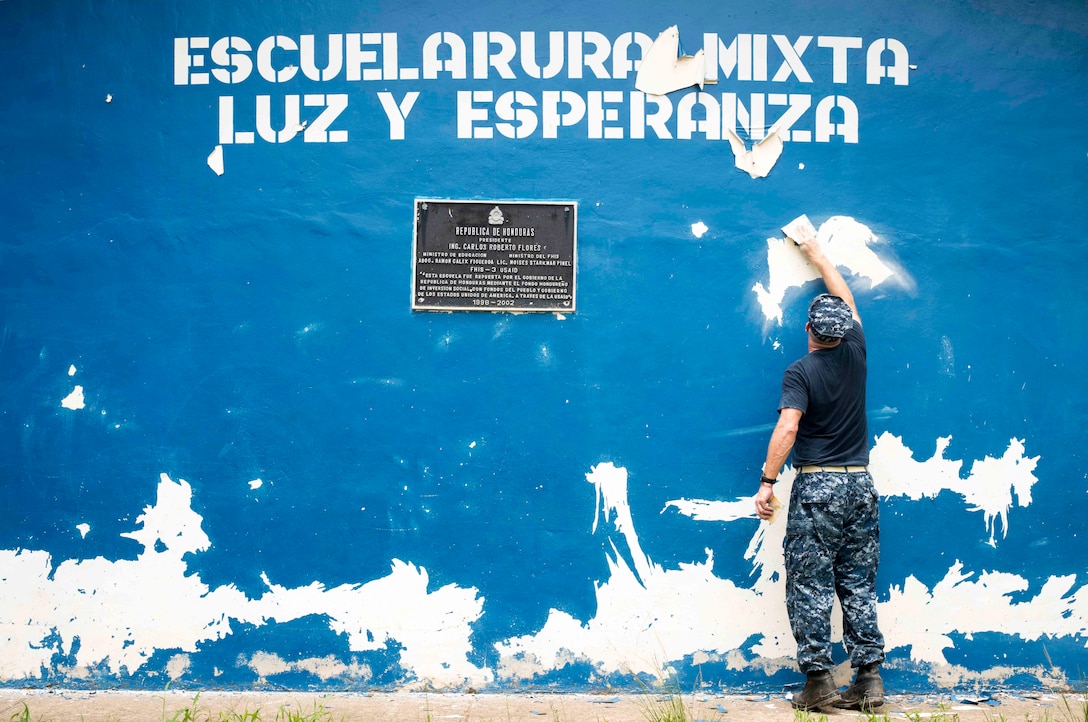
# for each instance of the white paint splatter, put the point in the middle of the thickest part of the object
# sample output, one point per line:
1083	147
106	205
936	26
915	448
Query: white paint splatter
84	529
86	608
74	400
177	666
72	370
256	483
265	664
988	488
651	616
846	243
699	229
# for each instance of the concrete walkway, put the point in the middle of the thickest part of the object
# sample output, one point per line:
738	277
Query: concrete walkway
109	706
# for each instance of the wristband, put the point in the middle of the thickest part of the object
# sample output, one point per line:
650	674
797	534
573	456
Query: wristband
765	480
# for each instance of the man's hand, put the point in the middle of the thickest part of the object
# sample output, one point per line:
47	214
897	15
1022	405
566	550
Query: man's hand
802	234
764	507
836	285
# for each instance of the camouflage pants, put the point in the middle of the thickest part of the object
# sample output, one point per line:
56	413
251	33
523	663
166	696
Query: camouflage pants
832	547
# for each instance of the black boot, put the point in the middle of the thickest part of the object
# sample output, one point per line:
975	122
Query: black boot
820	691
867	691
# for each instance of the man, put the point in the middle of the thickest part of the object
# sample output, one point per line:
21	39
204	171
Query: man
832	532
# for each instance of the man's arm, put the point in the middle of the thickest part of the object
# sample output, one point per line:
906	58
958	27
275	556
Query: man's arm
836	284
782	438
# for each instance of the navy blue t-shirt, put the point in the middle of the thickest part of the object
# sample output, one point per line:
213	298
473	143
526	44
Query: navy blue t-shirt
828	387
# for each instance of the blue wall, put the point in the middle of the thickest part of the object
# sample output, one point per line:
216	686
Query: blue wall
281	474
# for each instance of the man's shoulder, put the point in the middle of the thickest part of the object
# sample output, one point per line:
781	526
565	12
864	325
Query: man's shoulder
855	334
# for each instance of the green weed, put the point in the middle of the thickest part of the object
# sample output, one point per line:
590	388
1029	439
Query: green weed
804	715
23	716
189	713
1077	709
317	714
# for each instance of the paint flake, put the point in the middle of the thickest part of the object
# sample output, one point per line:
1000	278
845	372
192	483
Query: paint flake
215	160
761	158
662	71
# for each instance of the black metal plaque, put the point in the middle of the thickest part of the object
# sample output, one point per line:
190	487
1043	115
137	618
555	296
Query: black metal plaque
494	256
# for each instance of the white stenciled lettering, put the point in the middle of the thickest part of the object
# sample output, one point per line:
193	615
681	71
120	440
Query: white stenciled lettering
308	60
335	104
751	118
264	59
622	65
227	134
184	59
397	112
686	122
746	55
483	59
899	70
515	107
554	118
454	47
468	114
827	127
597	115
656	120
519	114
357	54
791	54
291	124
594	59
231	52
797	105
839	47
316	132
555	55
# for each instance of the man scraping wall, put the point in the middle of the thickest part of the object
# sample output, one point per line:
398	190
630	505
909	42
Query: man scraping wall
832	530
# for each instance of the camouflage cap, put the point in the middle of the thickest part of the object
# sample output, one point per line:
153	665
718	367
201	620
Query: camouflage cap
830	317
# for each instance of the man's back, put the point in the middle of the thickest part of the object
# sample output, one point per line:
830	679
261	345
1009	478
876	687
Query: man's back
828	387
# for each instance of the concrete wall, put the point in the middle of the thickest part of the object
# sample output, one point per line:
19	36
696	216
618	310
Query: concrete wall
234	455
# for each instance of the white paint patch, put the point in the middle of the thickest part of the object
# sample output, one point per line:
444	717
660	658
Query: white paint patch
215	160
699	229
846	243
267	665
109	98
74	400
663	70
256	483
84	530
45	610
648	616
72	370
177	666
988	488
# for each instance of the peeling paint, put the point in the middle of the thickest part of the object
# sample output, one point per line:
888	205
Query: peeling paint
663	70
215	160
760	158
846	243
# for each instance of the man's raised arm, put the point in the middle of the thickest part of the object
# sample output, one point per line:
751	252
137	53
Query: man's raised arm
836	284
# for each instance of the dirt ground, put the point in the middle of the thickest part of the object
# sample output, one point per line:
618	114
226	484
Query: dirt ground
113	706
